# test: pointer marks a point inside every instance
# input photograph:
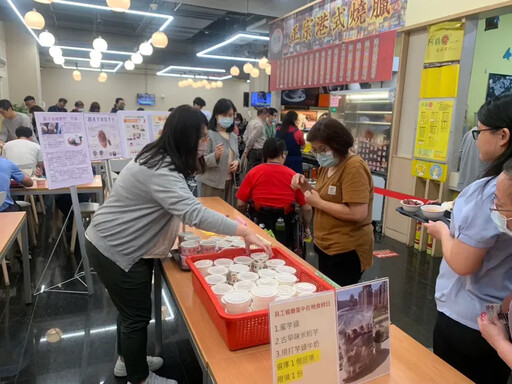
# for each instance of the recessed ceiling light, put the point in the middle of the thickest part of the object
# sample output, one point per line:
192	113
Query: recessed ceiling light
207	52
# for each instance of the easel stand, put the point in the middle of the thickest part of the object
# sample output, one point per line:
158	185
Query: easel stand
81	241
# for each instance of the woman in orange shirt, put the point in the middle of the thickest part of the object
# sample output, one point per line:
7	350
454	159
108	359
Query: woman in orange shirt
343	199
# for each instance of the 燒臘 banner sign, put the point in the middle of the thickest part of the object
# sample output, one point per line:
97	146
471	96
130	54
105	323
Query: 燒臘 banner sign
330	23
368	59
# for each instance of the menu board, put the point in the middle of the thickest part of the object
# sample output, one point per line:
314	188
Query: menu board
65	149
433	132
103	136
158	120
303	349
134	129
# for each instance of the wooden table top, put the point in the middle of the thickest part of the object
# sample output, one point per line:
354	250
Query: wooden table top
10	222
411	362
96	184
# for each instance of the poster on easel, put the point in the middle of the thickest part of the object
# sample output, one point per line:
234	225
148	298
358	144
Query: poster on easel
103	136
65	149
157	120
135	132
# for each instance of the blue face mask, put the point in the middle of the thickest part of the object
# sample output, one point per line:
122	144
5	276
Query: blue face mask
326	159
225	122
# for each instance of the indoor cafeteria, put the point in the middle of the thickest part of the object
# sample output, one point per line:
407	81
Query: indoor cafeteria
255	191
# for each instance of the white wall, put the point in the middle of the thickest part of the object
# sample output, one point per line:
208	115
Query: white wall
4	85
59	83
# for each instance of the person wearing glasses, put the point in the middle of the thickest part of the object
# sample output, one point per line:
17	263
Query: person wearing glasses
477	257
343	199
140	221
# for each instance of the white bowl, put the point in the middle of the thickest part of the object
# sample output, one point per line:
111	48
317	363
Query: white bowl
267	272
248	276
432	212
203	266
267	282
305	288
223	262
215	279
244	286
274	263
410	207
218	270
286	269
286	279
285	291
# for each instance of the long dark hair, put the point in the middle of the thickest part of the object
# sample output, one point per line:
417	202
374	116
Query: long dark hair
332	133
497	114
177	147
221	107
95	107
289	120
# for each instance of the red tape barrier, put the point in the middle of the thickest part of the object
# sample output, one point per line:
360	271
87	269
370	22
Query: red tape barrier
396	195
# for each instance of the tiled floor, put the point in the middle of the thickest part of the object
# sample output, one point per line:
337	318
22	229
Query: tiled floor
86	353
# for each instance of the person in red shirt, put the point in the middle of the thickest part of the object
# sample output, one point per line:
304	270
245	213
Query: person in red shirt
267	188
294	139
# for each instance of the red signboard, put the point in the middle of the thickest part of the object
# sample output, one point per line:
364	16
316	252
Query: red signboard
364	60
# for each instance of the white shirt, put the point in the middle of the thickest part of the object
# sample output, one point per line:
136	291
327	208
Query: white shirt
24	153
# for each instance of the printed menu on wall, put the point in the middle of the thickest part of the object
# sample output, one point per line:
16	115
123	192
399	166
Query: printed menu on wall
134	129
103	136
158	120
65	149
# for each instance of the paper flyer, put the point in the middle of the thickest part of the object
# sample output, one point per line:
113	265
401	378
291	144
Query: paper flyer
103	136
158	120
65	149
134	129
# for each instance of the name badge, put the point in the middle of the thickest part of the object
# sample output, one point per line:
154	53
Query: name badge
332	190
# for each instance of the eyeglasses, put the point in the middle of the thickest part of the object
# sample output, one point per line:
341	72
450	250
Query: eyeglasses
322	151
477	132
493	207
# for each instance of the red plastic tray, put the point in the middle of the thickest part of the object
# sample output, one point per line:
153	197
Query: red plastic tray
247	329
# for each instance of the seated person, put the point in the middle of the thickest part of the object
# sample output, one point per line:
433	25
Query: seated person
24	152
8	171
267	187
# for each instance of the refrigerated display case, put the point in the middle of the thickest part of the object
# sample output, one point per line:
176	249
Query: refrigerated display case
368	115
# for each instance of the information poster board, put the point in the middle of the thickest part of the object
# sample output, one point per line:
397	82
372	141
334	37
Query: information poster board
134	129
158	120
103	136
445	42
304	349
433	131
63	139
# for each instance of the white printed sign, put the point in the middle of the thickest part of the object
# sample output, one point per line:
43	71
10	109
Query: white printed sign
134	127
103	136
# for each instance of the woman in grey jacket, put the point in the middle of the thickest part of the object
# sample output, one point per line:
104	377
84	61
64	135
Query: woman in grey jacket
221	157
139	221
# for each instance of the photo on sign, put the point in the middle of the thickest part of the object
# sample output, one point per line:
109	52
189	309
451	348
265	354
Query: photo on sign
363	331
49	129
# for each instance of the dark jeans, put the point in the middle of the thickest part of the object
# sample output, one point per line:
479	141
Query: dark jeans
131	294
254	158
268	217
467	351
342	268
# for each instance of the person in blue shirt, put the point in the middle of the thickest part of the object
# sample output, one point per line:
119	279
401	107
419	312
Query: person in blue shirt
8	171
477	257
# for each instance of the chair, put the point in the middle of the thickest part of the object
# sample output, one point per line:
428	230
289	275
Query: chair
87	210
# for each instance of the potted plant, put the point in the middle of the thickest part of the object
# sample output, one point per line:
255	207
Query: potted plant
378	338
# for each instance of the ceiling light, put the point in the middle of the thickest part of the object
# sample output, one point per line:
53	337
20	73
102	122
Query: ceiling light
263	63
59	60
235	71
255	72
129	66
55	51
44	1
102	77
46	39
95	63
100	44
95	55
77	75
119	5
208	86
268	70
213	84
146	49
34	19
206	52
248	67
137	58
181	85
220	84
189	81
159	40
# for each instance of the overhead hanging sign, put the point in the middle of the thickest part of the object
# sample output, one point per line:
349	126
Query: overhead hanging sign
65	149
445	42
330	23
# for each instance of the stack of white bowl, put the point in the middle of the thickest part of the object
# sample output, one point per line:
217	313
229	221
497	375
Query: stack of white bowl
247	284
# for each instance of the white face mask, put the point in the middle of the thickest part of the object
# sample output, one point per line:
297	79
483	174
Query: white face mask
501	222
